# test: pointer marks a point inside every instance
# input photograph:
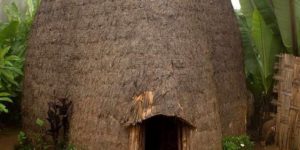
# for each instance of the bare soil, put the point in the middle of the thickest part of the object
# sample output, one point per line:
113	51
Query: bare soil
260	147
8	138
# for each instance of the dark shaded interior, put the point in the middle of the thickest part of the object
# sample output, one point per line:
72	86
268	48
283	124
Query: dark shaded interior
161	133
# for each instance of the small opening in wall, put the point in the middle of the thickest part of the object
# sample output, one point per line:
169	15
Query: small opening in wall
160	133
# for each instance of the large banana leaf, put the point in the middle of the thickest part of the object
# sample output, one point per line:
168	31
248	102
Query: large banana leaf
265	9
252	71
251	63
282	12
247	7
268	46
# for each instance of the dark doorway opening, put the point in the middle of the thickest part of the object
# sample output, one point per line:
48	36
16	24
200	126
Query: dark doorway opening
161	133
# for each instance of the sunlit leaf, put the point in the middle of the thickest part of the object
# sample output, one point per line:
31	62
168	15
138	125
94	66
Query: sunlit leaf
268	46
3	108
265	9
39	122
5	99
3	52
4	94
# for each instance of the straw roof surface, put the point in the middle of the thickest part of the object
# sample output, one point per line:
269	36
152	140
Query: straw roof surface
121	62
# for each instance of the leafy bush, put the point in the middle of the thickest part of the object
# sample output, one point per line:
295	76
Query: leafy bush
59	113
13	36
237	143
40	139
37	142
24	143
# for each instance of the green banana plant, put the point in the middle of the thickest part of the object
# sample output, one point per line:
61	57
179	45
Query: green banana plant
274	26
268	28
261	42
267	13
267	47
250	60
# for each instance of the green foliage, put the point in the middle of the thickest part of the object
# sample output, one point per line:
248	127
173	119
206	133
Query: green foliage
267	14
71	147
24	142
266	31
40	140
22	137
237	143
283	14
13	36
267	47
261	42
39	122
4	97
36	143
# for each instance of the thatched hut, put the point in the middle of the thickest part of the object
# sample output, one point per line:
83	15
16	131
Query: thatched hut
138	71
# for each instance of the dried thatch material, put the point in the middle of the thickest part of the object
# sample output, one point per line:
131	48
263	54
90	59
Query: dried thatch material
125	61
288	103
141	107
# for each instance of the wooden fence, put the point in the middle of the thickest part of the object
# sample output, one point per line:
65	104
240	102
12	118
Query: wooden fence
288	103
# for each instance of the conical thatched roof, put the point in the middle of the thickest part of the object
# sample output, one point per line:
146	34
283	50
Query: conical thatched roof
121	62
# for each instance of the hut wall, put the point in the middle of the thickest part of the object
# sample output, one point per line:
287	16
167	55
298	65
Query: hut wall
101	54
227	59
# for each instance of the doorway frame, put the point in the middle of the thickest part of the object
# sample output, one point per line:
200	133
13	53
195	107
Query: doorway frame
137	135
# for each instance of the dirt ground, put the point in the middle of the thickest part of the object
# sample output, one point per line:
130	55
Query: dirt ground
8	138
259	147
